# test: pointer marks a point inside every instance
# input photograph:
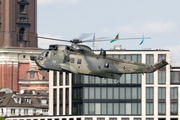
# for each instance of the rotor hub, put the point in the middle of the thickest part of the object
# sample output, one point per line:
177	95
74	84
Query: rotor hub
76	40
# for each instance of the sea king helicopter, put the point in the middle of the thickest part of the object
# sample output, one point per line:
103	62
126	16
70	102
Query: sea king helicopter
80	59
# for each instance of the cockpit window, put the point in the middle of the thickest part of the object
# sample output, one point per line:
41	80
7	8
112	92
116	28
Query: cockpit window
46	54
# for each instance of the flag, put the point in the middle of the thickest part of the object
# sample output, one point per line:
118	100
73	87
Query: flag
117	37
142	40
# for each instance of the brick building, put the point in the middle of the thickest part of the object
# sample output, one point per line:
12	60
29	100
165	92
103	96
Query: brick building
18	21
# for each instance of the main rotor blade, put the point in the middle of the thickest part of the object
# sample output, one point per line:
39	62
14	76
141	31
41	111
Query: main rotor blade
53	39
116	39
45	38
84	35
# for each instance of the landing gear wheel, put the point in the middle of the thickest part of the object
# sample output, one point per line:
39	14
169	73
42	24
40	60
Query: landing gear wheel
118	83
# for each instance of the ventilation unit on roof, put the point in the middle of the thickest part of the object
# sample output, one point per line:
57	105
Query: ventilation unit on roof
117	47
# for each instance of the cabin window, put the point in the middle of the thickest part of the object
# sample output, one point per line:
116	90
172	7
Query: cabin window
106	65
55	54
79	61
72	60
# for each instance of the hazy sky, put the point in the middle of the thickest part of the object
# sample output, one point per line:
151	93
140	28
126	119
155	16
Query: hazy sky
158	19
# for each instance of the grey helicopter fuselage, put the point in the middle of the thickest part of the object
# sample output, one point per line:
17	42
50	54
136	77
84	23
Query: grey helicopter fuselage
80	59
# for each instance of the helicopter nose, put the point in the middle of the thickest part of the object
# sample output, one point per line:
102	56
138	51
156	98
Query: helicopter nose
33	58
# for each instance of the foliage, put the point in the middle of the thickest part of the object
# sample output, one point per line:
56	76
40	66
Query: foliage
2	118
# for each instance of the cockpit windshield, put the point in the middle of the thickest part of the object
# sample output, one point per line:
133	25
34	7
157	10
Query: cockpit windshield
43	53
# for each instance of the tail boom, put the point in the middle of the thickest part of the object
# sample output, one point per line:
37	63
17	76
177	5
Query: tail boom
157	66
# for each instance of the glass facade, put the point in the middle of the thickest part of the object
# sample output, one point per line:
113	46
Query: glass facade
174	101
55	78
149	76
175	77
55	101
161	100
96	96
61	78
162	71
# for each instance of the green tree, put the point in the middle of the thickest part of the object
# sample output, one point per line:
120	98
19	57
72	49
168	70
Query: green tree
2	118
0	89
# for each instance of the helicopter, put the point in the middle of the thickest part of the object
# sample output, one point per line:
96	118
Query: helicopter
80	59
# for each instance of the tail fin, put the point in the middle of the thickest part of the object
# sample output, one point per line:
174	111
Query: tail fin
157	66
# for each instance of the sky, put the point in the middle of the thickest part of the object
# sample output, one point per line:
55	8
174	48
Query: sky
68	19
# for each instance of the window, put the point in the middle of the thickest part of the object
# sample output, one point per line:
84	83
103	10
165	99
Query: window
28	100
97	108
24	56
110	108
60	109
106	65
2	111
161	77
91	93
174	108
149	93
100	118
67	109
137	118
25	111
175	77
43	101
12	111
55	78
149	78
161	93
54	53
116	108
149	109
19	111
91	108
174	93
125	118
161	108
22	8
54	101
79	61
67	93
67	78
72	60
45	112
86	108
149	119
112	118
61	78
162	71
97	93
103	108
31	74
88	118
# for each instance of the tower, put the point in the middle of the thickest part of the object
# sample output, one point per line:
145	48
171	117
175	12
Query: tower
18	21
